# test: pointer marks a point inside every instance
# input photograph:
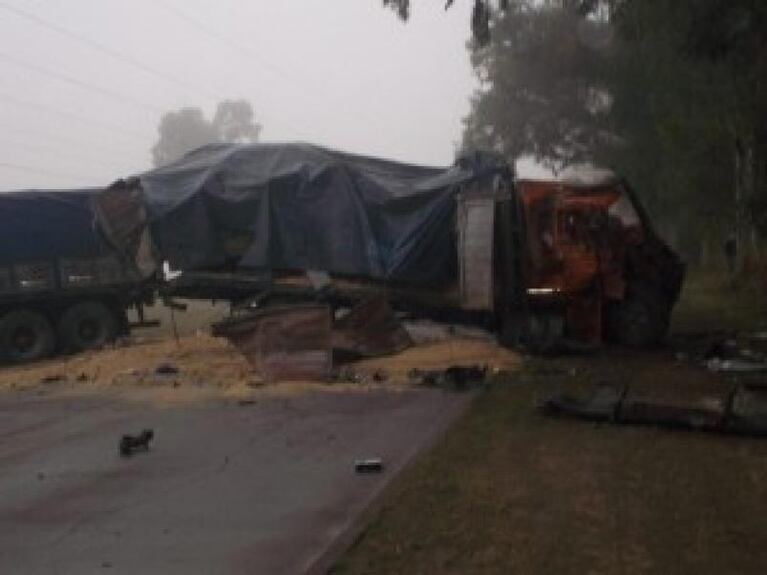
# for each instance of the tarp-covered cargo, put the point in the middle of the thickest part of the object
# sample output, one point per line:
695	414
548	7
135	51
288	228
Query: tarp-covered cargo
48	225
296	207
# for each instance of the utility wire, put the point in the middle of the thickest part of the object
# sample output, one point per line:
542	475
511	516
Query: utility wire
63	139
236	46
104	49
112	128
69	153
252	54
211	32
79	83
44	172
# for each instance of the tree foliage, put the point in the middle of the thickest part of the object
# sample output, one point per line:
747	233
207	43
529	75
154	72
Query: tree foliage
184	130
672	94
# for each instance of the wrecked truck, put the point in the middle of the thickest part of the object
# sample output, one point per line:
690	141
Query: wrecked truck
62	285
263	225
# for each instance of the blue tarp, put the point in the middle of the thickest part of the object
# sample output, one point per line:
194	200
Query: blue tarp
45	225
304	207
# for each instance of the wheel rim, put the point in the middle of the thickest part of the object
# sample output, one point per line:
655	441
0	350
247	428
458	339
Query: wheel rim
23	339
90	331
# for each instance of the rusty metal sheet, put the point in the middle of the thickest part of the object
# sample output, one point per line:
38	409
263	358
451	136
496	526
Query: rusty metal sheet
371	329
284	343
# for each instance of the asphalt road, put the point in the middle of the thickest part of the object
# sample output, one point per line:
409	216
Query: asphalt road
264	488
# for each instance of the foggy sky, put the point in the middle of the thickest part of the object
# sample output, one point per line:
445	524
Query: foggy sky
341	73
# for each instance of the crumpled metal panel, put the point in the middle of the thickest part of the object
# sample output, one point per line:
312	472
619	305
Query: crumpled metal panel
371	329
284	343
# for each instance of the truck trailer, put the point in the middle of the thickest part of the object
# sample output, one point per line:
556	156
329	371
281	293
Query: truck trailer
62	285
273	224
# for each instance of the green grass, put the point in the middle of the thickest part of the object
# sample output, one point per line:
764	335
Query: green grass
511	491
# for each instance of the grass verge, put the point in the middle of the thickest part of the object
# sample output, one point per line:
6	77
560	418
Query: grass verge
510	491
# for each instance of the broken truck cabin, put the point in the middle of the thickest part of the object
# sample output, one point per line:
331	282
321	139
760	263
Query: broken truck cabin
62	285
266	225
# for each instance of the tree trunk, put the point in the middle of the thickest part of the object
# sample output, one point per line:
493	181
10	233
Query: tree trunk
744	193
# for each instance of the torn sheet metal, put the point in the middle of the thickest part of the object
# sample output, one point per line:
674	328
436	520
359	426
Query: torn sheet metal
284	343
741	410
371	329
704	412
600	405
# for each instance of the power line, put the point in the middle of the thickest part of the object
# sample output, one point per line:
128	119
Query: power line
65	154
44	172
112	128
252	54
102	145
104	49
249	53
79	83
207	30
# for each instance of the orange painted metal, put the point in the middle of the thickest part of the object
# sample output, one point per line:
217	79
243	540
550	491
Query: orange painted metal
577	238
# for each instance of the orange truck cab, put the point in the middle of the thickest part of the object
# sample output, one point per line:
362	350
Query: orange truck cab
593	268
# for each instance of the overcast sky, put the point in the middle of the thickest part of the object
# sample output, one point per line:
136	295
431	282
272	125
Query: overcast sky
84	82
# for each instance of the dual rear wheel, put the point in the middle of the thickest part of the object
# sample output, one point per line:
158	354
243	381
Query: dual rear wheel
28	334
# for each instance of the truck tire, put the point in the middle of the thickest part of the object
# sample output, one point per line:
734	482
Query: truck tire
87	325
25	335
538	332
640	320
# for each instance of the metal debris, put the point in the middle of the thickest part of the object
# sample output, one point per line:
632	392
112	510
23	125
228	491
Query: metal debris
373	465
741	410
129	444
284	343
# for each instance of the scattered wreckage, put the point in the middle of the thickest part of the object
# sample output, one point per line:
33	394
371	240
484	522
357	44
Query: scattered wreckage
298	237
268	225
740	410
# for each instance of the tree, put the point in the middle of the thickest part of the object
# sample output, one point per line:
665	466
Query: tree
186	129
670	94
483	11
690	102
542	89
480	16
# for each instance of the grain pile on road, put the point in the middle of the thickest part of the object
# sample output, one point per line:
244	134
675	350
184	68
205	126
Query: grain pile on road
204	362
200	359
440	355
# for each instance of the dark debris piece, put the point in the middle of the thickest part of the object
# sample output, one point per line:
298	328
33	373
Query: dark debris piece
455	377
166	369
742	411
601	405
129	444
373	465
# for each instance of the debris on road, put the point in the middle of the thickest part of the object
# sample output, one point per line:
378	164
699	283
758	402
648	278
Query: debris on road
167	368
370	329
741	410
725	352
373	465
736	365
283	343
132	443
457	377
600	405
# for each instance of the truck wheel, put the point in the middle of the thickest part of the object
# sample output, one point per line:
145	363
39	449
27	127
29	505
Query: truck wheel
640	320
25	335
87	325
538	332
